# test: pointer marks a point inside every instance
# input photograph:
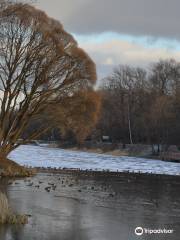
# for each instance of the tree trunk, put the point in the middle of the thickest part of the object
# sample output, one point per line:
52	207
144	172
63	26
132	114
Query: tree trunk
129	125
4	151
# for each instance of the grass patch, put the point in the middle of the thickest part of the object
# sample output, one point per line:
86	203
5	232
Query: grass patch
6	214
9	168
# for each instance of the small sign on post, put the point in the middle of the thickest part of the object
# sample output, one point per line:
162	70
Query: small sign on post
105	138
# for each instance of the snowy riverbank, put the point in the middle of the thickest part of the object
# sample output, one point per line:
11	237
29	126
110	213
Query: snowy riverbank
36	156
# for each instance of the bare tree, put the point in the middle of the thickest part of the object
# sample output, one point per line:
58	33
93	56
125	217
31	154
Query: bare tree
143	105
165	77
40	63
122	92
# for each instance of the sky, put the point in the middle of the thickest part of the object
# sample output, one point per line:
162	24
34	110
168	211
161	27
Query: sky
114	32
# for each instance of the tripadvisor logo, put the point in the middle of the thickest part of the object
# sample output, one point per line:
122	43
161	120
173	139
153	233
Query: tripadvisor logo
140	231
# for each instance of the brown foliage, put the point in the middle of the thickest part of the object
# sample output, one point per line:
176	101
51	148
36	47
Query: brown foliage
6	214
12	169
77	113
40	64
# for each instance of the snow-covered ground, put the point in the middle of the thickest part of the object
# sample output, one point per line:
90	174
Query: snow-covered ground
53	157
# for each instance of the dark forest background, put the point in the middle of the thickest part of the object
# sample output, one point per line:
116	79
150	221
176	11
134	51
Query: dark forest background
139	106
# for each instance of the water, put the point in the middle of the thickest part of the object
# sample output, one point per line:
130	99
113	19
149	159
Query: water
94	208
54	157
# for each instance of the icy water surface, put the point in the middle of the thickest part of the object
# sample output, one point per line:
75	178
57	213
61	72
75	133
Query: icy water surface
54	157
94	208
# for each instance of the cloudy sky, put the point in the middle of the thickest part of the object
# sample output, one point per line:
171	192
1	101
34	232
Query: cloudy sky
135	32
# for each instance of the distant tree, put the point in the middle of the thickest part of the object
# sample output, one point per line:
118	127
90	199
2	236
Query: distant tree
161	119
41	66
164	77
122	95
164	86
142	106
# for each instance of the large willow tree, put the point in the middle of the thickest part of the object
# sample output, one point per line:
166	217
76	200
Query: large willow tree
40	65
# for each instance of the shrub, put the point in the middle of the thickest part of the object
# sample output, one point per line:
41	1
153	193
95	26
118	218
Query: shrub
6	214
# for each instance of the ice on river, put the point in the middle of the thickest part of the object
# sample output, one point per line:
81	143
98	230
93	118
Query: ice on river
37	156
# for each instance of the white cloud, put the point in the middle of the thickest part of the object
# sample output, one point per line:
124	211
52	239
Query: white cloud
155	18
114	52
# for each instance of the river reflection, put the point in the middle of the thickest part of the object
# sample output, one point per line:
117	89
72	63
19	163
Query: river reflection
82	208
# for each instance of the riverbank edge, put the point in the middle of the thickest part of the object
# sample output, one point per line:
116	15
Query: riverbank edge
11	169
86	173
103	174
115	153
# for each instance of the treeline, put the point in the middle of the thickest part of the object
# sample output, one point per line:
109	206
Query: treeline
142	105
137	106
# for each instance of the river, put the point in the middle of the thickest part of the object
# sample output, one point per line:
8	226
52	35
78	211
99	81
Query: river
94	207
83	208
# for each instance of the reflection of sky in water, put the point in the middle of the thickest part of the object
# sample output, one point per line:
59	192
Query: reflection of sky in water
53	157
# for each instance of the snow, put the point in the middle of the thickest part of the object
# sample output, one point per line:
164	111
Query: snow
37	156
